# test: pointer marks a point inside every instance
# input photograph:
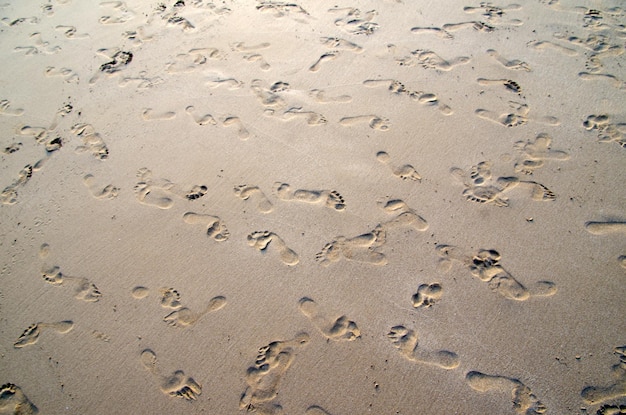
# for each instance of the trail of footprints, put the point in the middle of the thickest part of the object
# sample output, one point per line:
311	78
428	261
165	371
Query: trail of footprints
263	378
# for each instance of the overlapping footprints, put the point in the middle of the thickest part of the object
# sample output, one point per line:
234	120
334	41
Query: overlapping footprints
427	295
599	394
485	265
481	188
13	400
518	116
362	248
533	154
264	377
607	131
398	88
84	290
158	192
177	384
183	317
524	400
261	240
245	192
339	329
404	172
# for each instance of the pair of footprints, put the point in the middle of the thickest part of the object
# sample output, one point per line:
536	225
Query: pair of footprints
364	248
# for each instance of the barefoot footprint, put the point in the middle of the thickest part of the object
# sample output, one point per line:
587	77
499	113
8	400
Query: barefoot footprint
183	317
427	295
245	191
598	394
406	340
405	172
339	329
262	239
263	378
216	229
13	400
406	217
524	400
375	122
361	248
177	384
32	333
330	198
107	192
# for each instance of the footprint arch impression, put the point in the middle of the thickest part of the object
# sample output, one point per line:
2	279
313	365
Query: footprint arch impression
406	341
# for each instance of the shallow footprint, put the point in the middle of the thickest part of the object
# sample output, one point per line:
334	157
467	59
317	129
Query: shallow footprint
406	341
404	172
245	191
598	394
216	229
184	317
13	400
32	333
262	239
406	217
524	401
107	192
177	384
374	121
339	329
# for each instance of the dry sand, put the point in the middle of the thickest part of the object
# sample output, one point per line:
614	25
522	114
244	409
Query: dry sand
391	207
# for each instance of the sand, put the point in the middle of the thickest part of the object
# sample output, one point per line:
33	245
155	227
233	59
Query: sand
392	207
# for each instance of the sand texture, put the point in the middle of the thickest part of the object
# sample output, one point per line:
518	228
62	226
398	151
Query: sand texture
313	207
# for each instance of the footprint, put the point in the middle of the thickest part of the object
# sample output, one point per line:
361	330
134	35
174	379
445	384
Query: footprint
474	24
606	228
312	118
405	172
545	44
361	248
430	60
405	216
9	194
612	410
85	290
177	385
612	79
607	131
183	317
257	57
330	198
406	341
524	400
71	32
148	114
242	132
14	401
31	334
123	13
262	239
336	43
280	9
316	410
92	141
245	191
193	60
516	118
375	122
107	192
394	86
118	60
39	46
356	22
436	31
264	377
268	97
242	47
200	119
513	64
66	73
510	85
328	56
158	192
533	154
5	109
216	229
427	295
320	96
230	83
139	292
494	14
598	394
339	329
170	298
485	265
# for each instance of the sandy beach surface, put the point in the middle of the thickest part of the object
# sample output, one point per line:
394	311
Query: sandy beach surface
320	208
